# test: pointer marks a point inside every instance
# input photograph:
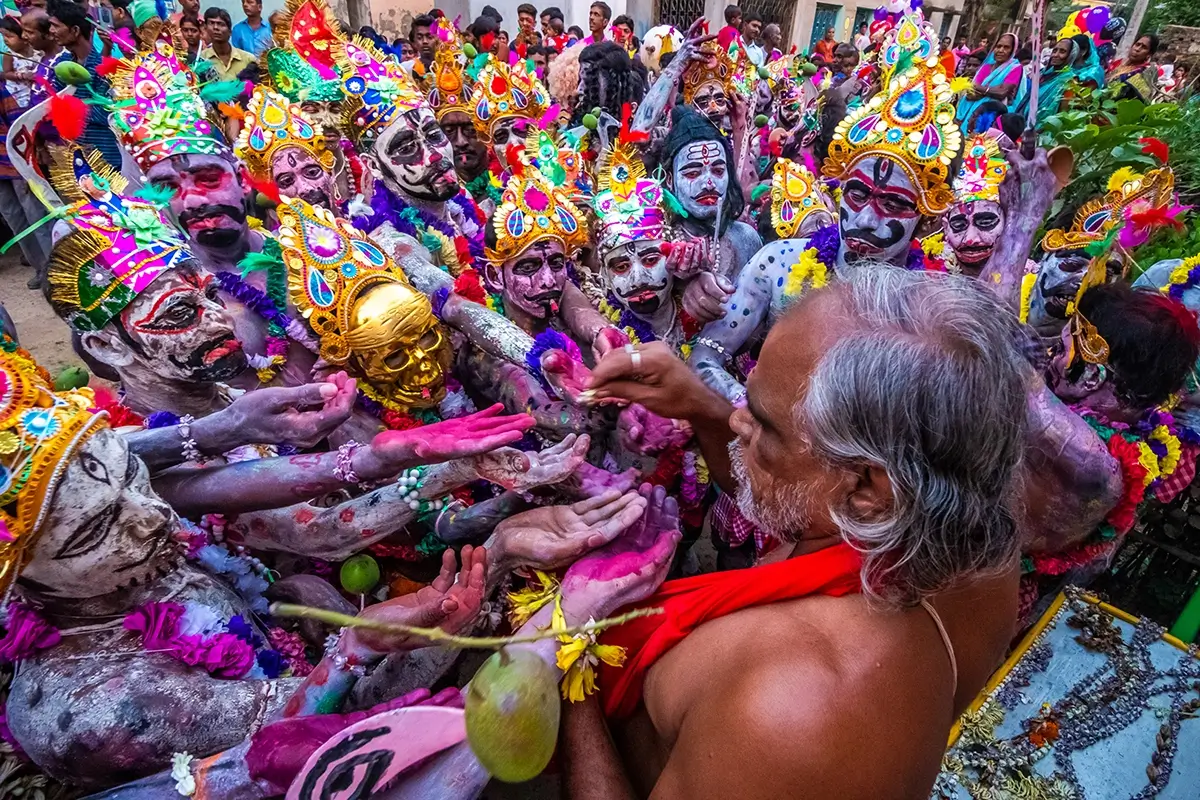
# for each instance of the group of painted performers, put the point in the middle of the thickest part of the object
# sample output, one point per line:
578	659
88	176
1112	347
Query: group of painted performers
433	345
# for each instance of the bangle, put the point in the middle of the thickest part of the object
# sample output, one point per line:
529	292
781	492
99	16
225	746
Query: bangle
704	340
190	451
341	661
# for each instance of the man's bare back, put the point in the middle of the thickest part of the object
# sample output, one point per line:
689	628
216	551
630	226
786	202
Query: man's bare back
810	698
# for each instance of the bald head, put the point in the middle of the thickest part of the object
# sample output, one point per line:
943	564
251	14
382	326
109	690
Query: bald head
35	29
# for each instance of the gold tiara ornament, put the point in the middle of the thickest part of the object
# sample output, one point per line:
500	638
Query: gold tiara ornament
532	209
273	124
795	194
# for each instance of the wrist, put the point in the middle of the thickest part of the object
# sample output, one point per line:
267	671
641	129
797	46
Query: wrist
369	466
216	434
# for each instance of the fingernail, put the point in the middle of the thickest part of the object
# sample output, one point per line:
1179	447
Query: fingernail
327	390
587	396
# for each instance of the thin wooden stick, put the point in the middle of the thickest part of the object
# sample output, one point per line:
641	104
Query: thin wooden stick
439	636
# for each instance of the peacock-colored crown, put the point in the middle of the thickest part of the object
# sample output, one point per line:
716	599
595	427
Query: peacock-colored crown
298	80
273	124
449	88
533	209
911	121
729	67
982	171
377	89
503	92
628	202
795	193
1096	218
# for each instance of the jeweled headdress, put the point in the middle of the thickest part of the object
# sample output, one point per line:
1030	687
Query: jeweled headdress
715	64
628	202
330	263
982	171
503	92
1096	218
120	247
377	89
298	80
39	432
533	209
449	89
559	159
157	110
795	193
272	124
910	122
310	29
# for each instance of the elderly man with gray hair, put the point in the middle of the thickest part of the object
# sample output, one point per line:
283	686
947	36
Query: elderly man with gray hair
881	441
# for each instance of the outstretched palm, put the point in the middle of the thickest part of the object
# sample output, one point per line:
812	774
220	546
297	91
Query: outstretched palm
550	537
522	472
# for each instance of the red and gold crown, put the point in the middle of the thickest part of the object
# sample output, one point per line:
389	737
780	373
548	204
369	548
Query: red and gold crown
377	89
1097	217
273	124
910	122
982	171
728	67
628	202
310	29
503	92
532	209
157	110
39	432
795	193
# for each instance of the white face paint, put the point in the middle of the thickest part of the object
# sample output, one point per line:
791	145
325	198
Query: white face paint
972	230
878	212
700	177
1058	282
106	529
637	274
413	156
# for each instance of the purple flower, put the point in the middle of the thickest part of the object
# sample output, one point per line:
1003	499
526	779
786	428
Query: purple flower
25	633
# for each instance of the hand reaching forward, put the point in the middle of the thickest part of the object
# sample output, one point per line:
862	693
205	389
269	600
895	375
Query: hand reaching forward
646	433
392	451
588	481
550	537
296	415
705	296
659	381
522	472
449	603
567	376
628	569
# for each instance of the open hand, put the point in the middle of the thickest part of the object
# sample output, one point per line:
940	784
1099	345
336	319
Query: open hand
565	375
550	537
296	415
450	603
522	472
628	569
643	432
589	481
696	35
481	432
705	296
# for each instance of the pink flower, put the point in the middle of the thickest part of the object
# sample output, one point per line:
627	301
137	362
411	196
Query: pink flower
158	623
228	656
25	634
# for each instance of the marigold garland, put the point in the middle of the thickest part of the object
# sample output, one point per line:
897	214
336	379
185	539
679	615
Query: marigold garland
1028	281
579	655
808	270
1183	277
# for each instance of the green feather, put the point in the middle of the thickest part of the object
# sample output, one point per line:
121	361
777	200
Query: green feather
155	195
673	204
1097	249
903	62
254	262
221	91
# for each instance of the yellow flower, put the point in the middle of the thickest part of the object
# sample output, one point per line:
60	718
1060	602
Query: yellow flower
933	245
1170	462
808	269
960	84
1027	283
1121	177
1149	461
9	443
579	655
685	351
528	601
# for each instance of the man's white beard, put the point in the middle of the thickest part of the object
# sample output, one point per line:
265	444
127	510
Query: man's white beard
786	515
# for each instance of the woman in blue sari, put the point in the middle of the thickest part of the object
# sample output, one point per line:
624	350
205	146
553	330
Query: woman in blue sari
999	79
1072	62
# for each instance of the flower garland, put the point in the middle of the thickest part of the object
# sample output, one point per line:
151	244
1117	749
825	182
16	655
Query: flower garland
808	270
679	462
1183	277
197	636
25	633
456	250
633	326
1028	281
485	186
579	655
280	327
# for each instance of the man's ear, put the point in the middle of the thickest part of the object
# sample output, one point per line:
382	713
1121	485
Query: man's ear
870	498
107	347
493	277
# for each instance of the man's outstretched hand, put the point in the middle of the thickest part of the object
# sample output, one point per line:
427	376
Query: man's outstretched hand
296	415
551	537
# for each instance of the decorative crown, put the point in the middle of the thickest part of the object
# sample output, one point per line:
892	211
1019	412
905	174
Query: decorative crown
449	89
728	67
503	92
120	246
39	432
272	124
377	89
1096	218
310	29
628	203
559	160
158	112
531	210
795	193
982	171
910	122
330	263
298	80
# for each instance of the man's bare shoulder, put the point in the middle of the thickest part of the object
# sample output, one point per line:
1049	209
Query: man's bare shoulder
787	703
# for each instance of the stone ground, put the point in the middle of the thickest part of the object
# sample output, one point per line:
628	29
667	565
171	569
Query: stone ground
40	331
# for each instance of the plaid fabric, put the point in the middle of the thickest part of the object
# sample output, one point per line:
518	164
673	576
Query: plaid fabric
734	529
1170	487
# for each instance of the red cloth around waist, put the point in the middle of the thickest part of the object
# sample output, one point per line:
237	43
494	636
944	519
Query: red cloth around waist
690	602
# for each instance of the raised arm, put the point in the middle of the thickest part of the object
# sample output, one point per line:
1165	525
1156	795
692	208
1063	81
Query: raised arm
1026	195
661	96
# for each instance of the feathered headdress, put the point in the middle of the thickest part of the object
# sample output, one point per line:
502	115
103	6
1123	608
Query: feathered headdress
1127	191
503	92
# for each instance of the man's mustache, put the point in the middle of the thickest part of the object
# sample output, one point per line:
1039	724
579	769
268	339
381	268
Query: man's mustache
895	229
656	288
316	198
235	213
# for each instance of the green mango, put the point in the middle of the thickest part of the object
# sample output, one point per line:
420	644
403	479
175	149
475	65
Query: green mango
359	574
71	378
72	73
761	121
591	121
512	712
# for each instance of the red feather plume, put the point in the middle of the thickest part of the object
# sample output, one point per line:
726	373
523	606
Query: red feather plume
69	115
1184	315
1155	217
266	188
1155	147
108	65
470	287
486	41
628	135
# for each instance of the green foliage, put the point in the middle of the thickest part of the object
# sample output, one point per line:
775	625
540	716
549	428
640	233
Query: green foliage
1103	133
1184	141
1164	244
1170	12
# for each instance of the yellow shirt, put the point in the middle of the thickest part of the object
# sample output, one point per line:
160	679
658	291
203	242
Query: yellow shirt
227	71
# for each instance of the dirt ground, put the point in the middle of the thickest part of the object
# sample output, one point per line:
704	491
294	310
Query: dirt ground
40	331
